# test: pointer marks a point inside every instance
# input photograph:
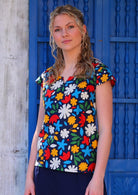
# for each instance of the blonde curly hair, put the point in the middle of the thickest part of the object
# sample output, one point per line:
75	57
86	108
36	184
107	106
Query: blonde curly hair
85	59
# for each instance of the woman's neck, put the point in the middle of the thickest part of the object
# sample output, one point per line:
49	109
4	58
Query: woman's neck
70	59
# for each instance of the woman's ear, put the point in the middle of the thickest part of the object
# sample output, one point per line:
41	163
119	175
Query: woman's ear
84	28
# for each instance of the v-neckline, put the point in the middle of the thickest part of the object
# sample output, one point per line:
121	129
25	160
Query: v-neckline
68	79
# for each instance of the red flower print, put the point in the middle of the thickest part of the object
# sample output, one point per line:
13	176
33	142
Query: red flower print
91	167
70	78
53	118
66	99
51	79
42	133
85	140
47	154
82	120
95	64
49	92
113	81
97	81
65	156
90	88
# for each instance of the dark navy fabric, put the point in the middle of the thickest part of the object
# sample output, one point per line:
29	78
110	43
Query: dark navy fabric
51	182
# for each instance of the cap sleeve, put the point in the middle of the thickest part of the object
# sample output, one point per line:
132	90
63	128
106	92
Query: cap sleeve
103	74
43	77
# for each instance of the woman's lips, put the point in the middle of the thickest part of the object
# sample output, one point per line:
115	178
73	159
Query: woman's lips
66	41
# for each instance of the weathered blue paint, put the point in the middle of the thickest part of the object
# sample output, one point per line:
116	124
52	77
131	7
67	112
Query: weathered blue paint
113	30
32	68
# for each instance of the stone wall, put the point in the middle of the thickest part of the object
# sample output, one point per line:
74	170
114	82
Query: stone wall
13	95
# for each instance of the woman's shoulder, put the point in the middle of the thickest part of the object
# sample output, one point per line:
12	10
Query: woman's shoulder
98	64
44	75
102	73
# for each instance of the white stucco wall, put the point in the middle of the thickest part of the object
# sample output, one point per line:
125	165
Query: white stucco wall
13	95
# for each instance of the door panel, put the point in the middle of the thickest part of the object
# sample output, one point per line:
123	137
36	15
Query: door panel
113	29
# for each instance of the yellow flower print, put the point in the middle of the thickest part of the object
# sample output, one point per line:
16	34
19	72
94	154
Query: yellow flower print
41	160
59	96
82	84
83	166
94	144
75	125
71	120
91	103
45	136
59	77
90	118
104	78
54	152
46	119
75	149
100	69
55	138
40	152
73	101
74	130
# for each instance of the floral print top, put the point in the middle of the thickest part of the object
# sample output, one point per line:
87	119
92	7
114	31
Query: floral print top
68	138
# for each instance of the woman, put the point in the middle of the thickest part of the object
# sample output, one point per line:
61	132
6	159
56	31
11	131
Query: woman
69	154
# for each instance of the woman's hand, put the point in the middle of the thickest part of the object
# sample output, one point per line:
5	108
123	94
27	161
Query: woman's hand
30	187
95	187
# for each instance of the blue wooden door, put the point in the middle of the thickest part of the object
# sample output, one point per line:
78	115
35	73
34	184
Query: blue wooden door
113	29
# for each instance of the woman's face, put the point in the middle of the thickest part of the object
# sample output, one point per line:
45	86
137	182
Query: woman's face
67	34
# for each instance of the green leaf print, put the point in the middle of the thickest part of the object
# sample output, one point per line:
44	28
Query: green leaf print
63	89
92	137
81	157
79	153
88	107
77	159
52	111
90	160
58	90
75	138
92	82
74	134
54	107
57	106
81	106
93	156
75	162
78	142
73	142
86	103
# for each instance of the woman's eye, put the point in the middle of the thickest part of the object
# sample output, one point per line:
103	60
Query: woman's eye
71	26
57	30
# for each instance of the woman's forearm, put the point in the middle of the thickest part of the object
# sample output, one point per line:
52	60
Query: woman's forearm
33	154
103	150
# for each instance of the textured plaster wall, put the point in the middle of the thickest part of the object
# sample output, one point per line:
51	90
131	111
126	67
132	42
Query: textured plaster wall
13	95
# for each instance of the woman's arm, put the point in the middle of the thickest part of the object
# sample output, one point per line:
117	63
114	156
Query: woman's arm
29	187
104	116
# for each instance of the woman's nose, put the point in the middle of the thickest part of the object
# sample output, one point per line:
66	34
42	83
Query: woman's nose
64	32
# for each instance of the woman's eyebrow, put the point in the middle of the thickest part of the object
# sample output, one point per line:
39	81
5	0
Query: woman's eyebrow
65	25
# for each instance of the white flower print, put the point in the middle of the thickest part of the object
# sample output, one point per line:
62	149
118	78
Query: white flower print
71	168
54	163
64	133
90	129
84	95
65	111
39	143
56	85
70	89
88	111
51	129
53	145
94	105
